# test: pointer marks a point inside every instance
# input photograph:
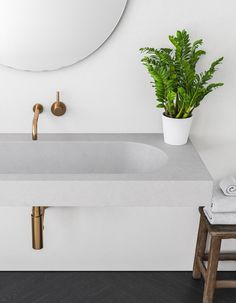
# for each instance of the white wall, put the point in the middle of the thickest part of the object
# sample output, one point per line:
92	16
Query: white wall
110	92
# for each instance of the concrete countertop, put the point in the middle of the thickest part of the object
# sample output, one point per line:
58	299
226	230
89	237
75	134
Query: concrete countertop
182	181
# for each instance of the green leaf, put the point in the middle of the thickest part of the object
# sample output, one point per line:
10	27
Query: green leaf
160	105
171	95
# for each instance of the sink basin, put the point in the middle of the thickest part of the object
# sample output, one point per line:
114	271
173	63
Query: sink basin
100	170
79	157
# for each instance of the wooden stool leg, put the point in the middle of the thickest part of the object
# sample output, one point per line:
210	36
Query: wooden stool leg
210	281
200	248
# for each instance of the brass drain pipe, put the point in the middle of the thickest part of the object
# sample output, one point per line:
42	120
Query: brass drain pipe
37	218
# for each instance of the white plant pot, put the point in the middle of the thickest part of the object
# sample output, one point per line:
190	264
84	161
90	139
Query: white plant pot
176	131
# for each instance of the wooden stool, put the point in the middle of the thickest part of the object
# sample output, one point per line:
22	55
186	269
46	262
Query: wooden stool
217	233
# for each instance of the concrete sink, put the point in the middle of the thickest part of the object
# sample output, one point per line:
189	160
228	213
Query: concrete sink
100	170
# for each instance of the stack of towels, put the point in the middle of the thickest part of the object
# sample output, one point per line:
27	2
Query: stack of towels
223	205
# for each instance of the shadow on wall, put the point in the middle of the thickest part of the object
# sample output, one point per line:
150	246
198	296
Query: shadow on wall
218	154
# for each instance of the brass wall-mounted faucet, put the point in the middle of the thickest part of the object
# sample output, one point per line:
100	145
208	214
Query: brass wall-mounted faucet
38	109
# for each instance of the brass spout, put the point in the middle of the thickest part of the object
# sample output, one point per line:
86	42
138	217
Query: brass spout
37	218
38	109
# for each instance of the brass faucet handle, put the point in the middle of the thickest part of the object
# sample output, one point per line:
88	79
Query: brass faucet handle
58	108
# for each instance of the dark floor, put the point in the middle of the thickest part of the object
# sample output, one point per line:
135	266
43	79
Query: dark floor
106	287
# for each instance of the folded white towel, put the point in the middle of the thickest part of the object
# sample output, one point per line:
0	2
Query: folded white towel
221	203
228	185
219	218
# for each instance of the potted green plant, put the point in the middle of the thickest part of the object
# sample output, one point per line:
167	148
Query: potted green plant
178	87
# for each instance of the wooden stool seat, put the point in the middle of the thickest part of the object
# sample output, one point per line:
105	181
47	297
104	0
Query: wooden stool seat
217	233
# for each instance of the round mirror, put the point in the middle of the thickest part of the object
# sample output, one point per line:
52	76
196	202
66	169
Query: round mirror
40	35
